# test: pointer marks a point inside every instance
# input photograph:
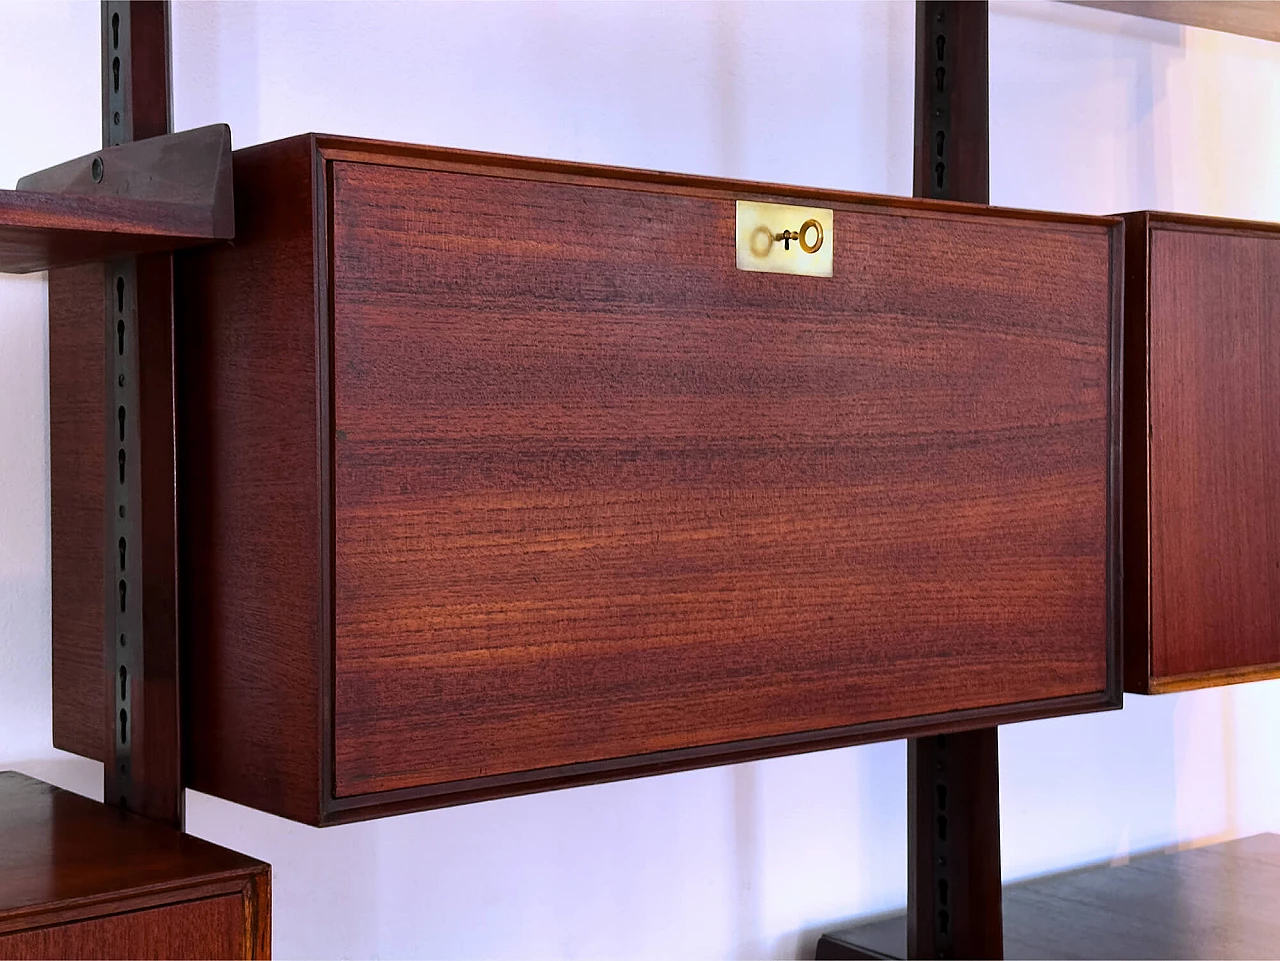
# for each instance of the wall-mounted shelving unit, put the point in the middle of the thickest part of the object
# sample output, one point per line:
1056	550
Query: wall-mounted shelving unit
496	475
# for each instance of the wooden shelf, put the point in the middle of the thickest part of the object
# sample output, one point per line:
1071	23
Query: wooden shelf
1211	902
153	195
1248	18
40	231
80	879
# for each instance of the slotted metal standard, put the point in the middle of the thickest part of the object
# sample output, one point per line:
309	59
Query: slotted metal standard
143	767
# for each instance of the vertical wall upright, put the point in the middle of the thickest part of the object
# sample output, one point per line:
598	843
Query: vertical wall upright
953	781
142	763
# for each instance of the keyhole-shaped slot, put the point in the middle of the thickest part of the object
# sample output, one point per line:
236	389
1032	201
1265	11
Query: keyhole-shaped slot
942	788
940	75
940	138
941	44
120	295
942	818
124	682
943	887
944	922
124	589
115	31
115	74
124	728
120	418
939	169
121	458
120	338
124	548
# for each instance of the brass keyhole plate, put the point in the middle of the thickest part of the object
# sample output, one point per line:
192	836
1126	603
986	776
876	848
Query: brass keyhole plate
781	239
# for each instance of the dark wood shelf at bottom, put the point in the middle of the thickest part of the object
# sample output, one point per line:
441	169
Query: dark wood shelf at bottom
1219	901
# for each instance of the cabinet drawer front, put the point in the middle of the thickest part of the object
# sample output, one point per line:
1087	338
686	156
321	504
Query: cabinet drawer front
599	494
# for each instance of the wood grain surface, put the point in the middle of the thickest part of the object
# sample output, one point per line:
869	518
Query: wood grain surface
251	434
1214	355
1210	902
498	477
209	928
39	231
600	494
76	504
65	860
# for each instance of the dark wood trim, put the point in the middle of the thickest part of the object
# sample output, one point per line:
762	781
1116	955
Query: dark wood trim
387	803
1117	474
1135	545
476	163
1195	222
108	904
321	172
1190	682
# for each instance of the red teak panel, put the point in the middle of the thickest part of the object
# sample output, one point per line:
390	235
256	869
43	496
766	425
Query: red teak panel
598	493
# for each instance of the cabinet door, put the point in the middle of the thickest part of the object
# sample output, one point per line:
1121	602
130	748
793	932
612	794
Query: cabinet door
1214	453
600	495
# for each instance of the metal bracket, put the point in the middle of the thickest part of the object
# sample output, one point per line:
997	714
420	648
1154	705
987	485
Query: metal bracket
124	585
155	195
190	170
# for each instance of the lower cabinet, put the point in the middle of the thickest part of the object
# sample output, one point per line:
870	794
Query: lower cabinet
81	880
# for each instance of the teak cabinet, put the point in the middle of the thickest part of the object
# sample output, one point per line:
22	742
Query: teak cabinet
498	475
1202	452
81	880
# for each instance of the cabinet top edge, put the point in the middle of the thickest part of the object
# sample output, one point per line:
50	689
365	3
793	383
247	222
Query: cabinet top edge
62	851
1165	220
361	150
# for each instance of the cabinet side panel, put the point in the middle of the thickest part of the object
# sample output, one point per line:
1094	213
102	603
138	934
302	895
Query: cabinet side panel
599	494
1215	503
211	928
251	502
76	500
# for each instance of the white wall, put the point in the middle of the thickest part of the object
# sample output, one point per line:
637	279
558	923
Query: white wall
1090	112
